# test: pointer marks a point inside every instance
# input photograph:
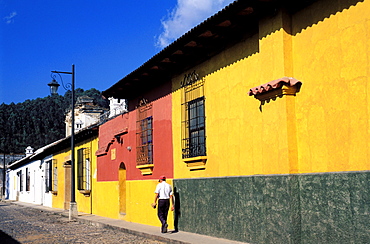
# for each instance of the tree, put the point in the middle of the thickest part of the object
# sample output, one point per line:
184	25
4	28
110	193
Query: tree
38	122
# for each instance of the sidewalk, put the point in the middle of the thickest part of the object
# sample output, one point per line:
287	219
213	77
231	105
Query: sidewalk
147	231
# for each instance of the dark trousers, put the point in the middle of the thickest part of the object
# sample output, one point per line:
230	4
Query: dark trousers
163	207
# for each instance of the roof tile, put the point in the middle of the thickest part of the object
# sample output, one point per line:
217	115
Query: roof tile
275	84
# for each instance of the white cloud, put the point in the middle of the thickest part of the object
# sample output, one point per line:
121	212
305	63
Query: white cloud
10	18
186	15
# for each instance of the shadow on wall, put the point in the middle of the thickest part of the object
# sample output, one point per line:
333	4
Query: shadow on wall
307	17
327	8
236	53
177	212
310	17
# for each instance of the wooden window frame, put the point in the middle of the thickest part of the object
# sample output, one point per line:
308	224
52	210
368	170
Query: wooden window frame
144	134
84	171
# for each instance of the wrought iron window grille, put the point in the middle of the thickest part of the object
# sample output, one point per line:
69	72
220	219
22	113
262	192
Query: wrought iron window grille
193	117
144	135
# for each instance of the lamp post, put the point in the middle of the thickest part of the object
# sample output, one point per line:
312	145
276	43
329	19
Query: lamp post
53	89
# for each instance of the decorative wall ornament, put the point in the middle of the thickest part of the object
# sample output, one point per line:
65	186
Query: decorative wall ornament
275	89
274	85
189	79
142	102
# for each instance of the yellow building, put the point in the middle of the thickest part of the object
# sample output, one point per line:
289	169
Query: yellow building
86	143
270	127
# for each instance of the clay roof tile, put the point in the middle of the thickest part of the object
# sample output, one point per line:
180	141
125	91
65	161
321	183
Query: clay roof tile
275	84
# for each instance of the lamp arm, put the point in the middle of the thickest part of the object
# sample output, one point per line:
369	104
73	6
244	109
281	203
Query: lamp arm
67	86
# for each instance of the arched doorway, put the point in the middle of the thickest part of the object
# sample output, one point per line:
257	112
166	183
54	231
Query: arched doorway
122	189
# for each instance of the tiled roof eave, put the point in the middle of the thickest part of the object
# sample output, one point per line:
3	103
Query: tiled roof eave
239	12
274	85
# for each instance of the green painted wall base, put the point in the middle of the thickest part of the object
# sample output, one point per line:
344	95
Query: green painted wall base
310	208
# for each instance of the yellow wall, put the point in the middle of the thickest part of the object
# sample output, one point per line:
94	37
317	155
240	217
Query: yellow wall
241	140
332	113
58	199
105	199
140	194
324	128
84	203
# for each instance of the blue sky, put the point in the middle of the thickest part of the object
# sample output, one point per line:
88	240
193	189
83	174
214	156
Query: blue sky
106	40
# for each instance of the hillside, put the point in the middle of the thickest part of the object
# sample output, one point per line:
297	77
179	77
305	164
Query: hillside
37	122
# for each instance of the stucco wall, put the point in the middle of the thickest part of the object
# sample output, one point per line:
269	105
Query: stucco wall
140	195
331	51
139	188
306	208
320	135
84	202
36	193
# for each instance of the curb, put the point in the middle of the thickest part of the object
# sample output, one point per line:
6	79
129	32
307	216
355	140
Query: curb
82	220
129	231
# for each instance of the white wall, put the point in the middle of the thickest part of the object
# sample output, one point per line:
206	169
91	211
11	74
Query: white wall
36	193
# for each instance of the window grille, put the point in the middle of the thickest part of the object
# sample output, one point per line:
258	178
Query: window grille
55	175
27	179
48	176
83	169
144	135
51	175
20	180
193	129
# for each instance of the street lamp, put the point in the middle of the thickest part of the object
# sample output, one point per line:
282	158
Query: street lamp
53	89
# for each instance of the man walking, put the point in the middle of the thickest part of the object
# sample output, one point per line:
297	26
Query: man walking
163	193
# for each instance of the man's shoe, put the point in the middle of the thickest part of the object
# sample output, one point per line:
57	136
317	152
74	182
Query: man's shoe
164	228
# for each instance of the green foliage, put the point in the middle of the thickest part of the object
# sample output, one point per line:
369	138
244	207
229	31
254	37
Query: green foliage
38	122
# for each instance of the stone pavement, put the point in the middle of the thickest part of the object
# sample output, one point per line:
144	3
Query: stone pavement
147	231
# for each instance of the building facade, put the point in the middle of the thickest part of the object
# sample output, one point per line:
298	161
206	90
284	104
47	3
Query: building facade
86	142
259	119
135	149
29	179
269	121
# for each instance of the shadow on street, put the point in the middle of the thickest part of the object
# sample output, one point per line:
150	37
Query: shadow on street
7	239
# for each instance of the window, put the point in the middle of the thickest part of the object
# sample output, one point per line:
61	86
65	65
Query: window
83	169
79	124
193	117
47	176
196	143
20	175
51	176
144	135
27	179
55	175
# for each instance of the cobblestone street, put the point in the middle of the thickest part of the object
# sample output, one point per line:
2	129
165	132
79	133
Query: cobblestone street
28	225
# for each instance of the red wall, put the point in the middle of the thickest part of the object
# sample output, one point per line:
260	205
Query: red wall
162	144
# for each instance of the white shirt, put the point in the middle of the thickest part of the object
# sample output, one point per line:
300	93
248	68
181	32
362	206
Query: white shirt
164	189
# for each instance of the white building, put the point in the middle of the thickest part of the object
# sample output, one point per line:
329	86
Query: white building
117	106
6	159
86	113
29	179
